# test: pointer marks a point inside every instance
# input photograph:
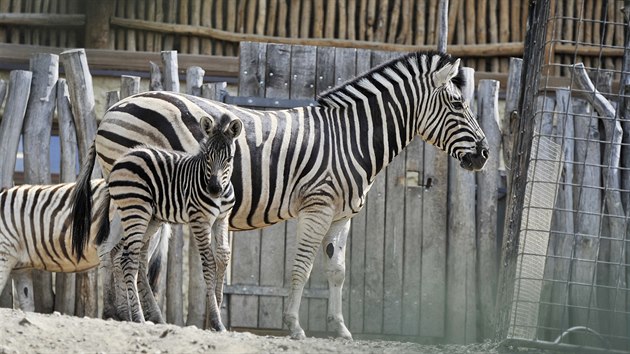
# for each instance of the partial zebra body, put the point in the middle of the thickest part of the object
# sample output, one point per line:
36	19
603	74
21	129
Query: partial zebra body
36	230
152	186
315	163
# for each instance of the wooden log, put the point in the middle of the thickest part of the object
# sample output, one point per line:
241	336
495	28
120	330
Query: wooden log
461	293
420	29
155	82
271	17
329	28
404	36
381	21
3	91
341	23
65	283
170	17
493	35
351	17
79	82
487	199
129	85
394	17
10	131
171	73
36	147
196	284
112	98
496	49
371	20
194	80
97	14
230	49
120	32
206	21
563	222
318	20
587	202
509	122
504	29
42	20
442	26
149	43
195	10
452	20
262	16
250	19
140	12
432	24
174	277
5	5
130	13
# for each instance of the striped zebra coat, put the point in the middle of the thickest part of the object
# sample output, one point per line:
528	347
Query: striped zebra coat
314	163
36	225
152	186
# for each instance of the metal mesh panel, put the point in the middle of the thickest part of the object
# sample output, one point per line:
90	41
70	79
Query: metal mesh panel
572	269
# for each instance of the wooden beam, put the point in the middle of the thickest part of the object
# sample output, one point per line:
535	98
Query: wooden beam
42	20
105	59
495	49
97	14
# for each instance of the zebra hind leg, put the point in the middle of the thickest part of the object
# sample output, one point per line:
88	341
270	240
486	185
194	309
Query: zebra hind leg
334	246
312	226
150	308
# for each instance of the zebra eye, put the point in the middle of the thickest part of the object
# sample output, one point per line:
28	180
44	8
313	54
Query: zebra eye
458	105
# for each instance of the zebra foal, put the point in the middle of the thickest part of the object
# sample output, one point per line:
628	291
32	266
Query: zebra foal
314	163
151	186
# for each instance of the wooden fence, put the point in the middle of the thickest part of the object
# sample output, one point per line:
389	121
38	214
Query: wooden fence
486	32
421	257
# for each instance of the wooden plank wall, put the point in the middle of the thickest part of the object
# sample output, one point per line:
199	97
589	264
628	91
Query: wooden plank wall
396	259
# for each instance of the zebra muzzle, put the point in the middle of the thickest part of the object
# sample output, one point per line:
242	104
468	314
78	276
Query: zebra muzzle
214	187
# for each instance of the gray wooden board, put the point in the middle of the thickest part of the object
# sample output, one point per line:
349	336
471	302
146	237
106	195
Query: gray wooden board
374	237
412	252
433	269
356	247
245	266
394	240
272	240
487	199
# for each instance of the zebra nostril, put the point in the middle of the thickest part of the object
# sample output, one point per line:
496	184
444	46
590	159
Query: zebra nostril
485	153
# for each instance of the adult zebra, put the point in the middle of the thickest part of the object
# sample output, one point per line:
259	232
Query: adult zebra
314	163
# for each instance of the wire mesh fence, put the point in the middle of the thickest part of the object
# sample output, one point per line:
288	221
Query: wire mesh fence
570	258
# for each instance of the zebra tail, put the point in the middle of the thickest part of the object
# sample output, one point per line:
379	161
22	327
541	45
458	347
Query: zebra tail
103	217
82	205
157	261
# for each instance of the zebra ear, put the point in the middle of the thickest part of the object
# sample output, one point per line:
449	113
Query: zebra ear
446	73
234	128
207	123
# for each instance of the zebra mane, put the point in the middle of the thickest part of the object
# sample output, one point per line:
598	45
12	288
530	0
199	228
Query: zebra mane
325	98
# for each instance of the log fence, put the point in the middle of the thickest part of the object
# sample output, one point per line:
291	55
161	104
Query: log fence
485	32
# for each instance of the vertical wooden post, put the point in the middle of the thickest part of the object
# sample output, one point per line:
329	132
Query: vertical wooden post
461	289
10	131
155	83
36	147
65	283
487	198
197	290
129	85
174	276
3	91
442	33
81	92
509	123
97	15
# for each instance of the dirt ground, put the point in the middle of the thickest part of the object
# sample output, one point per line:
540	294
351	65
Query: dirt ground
22	332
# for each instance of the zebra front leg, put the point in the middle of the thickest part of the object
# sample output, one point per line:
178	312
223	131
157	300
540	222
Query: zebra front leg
202	235
222	254
311	228
334	245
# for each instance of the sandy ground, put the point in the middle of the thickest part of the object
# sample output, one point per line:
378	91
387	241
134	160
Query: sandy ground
22	332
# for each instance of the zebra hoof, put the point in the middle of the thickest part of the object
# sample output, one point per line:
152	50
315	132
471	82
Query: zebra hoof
298	334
